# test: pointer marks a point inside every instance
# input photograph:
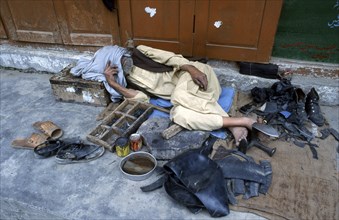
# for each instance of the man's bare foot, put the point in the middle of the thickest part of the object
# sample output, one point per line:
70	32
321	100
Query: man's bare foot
239	133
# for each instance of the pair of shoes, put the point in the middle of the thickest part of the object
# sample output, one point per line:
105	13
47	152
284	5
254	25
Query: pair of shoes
305	107
313	109
78	152
66	152
50	131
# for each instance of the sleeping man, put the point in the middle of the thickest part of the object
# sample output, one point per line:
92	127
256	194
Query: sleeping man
192	87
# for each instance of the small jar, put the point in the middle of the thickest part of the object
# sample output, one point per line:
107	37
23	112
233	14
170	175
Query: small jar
135	142
122	147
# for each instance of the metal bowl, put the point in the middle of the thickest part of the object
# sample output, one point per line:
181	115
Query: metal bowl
140	155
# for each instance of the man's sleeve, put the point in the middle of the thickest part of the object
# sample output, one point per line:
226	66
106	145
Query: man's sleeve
165	57
141	97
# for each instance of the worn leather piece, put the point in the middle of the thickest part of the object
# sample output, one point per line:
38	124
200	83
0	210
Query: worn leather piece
327	131
238	187
214	197
155	185
195	181
202	177
230	192
302	188
264	187
182	195
236	166
252	190
194	170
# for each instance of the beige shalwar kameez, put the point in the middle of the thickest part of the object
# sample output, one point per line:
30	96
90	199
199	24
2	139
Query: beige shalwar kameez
193	108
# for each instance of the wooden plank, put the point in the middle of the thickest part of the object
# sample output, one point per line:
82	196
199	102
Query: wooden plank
171	131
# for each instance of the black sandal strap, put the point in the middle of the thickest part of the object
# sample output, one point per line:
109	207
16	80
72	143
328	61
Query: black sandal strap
48	148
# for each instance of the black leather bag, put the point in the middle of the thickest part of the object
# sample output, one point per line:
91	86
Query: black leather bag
269	71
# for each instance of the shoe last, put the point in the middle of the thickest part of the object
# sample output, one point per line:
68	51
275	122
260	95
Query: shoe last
313	109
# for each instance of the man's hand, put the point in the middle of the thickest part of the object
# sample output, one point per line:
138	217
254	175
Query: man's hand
110	71
198	77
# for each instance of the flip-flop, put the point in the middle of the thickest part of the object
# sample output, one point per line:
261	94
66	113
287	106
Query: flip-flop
48	148
31	142
78	153
49	128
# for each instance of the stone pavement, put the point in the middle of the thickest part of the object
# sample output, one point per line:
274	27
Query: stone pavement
34	188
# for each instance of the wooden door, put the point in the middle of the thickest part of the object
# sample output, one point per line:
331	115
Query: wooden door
161	24
87	22
236	30
30	20
3	34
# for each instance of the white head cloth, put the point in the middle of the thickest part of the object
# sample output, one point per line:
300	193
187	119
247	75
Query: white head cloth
93	69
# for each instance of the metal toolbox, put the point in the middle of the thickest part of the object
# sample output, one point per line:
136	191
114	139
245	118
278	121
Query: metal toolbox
69	88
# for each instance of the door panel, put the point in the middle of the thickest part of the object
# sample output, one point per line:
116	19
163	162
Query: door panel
31	20
226	28
87	22
166	25
236	30
3	34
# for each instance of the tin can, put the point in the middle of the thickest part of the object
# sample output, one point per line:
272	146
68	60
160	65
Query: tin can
135	142
122	147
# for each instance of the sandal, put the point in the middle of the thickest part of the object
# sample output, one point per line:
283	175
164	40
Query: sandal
78	152
30	143
49	128
48	148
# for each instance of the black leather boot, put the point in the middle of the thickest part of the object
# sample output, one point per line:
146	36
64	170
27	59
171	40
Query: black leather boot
297	108
313	109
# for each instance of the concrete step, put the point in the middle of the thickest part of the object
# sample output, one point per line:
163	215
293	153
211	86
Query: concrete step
324	77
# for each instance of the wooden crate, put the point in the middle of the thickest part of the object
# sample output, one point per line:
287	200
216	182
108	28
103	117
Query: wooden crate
122	122
69	88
